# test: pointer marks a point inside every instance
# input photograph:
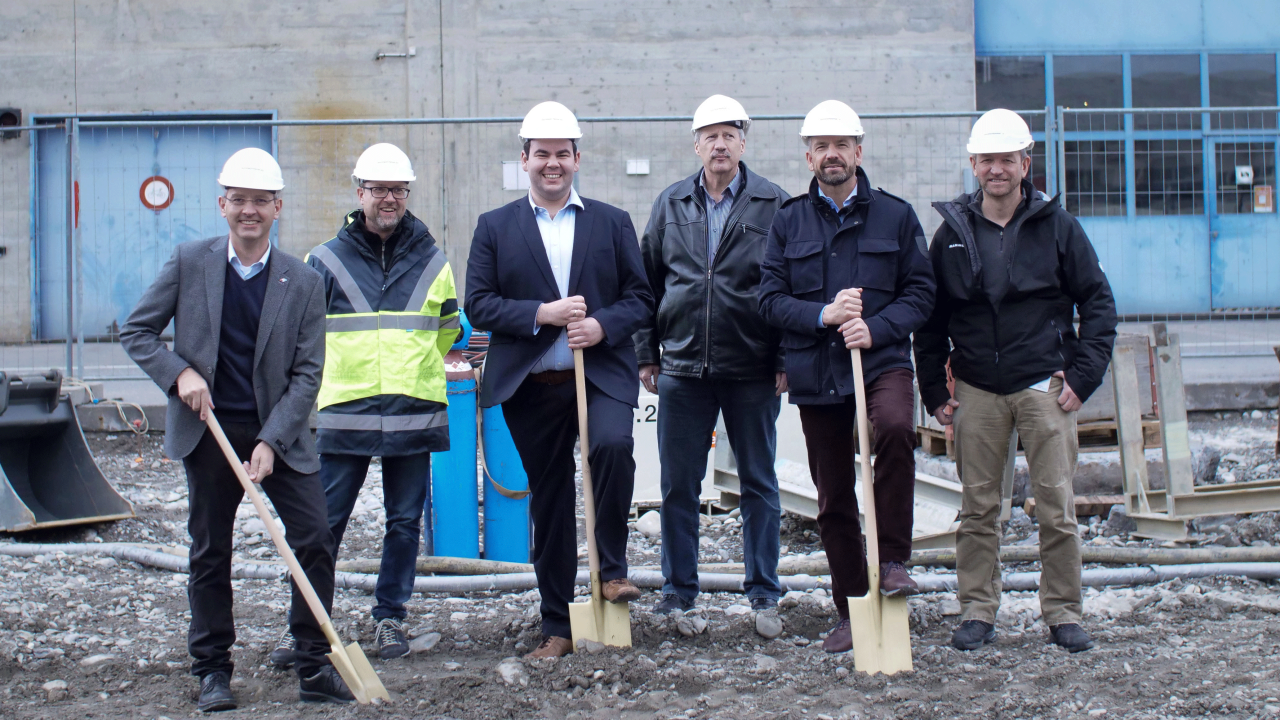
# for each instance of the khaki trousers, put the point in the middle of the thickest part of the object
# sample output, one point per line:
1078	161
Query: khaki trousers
983	423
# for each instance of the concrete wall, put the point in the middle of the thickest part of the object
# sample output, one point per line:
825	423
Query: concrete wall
313	59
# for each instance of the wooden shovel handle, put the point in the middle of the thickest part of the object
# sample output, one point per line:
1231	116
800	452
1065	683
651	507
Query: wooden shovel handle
588	495
868	482
295	570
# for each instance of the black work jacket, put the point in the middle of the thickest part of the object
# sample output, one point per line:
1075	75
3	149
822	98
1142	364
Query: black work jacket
1009	343
811	256
708	323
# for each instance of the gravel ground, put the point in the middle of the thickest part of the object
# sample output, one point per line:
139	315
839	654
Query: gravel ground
91	637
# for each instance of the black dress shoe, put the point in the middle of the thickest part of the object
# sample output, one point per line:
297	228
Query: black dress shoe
1070	636
325	686
215	693
973	634
671	603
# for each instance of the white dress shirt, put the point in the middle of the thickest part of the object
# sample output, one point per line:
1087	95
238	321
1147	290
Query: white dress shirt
557	238
246	272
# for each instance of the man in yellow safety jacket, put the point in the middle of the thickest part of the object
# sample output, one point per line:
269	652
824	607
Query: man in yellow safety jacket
391	315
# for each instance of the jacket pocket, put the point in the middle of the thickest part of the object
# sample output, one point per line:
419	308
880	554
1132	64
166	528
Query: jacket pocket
804	265
878	263
801	359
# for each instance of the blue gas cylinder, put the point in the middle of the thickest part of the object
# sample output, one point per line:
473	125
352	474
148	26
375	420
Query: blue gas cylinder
506	519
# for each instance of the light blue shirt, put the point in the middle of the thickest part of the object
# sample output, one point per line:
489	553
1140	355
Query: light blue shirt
246	272
832	203
718	212
557	238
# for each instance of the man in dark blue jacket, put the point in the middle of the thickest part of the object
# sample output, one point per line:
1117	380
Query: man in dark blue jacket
845	267
548	274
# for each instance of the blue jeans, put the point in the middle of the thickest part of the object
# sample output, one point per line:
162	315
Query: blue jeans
687	411
405	482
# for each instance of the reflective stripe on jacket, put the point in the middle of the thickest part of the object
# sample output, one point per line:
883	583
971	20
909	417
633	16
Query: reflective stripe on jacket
389	323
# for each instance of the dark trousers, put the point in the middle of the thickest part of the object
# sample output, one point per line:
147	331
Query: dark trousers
830	433
687	412
215	494
543	420
405	481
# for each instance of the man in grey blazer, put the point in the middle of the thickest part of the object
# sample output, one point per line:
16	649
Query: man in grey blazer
248	343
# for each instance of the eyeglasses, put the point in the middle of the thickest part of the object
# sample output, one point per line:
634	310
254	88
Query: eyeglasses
259	203
380	192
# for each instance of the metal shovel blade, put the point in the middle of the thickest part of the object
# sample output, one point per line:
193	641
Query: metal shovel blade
358	673
600	621
881	634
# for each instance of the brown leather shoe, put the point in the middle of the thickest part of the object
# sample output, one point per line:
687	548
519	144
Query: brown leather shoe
620	590
840	639
551	647
895	581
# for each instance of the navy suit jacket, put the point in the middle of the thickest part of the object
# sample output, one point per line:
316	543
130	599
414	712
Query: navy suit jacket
509	276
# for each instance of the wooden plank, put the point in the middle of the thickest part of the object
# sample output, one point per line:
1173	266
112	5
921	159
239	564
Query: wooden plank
1133	461
1179	478
1086	505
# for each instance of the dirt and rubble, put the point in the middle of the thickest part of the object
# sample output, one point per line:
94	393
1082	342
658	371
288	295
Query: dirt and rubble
92	637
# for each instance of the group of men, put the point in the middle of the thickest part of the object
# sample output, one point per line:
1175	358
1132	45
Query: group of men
734	294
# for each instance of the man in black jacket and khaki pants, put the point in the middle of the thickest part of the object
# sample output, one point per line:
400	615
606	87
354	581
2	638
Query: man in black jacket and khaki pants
1013	268
708	351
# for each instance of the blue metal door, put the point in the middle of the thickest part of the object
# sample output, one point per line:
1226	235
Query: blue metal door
1244	231
143	189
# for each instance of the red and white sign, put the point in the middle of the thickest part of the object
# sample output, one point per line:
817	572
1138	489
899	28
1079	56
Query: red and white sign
156	193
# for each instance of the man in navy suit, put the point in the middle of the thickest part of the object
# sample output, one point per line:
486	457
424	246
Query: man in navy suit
548	274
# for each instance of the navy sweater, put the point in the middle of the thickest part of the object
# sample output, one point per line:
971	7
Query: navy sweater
232	392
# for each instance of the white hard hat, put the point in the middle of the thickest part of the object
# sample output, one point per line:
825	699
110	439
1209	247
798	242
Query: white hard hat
385	162
253	169
719	109
550	121
999	131
831	117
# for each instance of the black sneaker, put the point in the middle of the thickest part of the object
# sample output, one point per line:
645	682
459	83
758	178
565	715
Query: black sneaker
973	634
215	693
325	686
392	642
671	603
760	604
1070	636
283	654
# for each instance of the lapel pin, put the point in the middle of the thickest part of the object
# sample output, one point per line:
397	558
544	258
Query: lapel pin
284	280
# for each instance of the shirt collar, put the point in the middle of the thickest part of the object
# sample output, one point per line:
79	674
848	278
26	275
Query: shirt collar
848	201
235	259
574	200
735	185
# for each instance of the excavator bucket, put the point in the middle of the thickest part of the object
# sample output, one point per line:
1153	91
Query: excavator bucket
48	477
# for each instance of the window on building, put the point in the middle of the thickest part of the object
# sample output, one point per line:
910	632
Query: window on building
1016	83
1241	168
1242	81
1089	81
1095	177
1168	177
1163	81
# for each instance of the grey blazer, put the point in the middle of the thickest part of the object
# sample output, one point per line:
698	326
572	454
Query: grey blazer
286	364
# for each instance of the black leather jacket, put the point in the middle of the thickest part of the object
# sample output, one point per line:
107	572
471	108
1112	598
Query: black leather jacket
708	322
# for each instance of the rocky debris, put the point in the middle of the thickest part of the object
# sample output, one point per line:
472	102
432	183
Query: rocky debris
512	672
768	624
591	647
55	690
424	642
691	625
650	524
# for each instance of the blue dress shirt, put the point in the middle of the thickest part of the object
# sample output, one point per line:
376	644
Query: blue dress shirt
557	238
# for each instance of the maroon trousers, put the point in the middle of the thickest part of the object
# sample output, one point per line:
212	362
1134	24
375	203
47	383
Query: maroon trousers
830	435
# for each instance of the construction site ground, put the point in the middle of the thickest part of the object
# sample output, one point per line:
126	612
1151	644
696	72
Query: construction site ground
91	637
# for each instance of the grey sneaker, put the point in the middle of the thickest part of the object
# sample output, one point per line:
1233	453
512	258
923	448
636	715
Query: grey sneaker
283	654
392	642
973	634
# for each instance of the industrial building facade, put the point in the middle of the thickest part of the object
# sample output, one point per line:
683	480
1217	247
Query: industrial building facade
1180	203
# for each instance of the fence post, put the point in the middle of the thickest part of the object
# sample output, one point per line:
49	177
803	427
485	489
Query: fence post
73	174
1062	156
79	257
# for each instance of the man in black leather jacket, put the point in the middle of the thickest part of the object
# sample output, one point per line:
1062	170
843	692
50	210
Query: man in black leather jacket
707	350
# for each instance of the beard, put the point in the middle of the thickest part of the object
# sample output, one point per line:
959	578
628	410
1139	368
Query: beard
385	223
834	174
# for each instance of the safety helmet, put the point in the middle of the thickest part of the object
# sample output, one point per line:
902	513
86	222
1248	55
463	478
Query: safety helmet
999	131
720	110
253	169
831	117
550	121
384	162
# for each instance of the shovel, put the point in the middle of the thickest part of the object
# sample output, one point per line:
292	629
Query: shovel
350	661
595	619
881	635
